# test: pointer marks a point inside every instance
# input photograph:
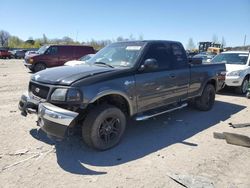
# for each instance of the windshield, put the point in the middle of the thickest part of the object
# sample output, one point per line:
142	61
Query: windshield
122	54
231	58
86	57
42	49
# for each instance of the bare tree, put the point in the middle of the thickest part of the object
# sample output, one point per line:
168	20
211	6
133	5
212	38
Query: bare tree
141	37
215	39
4	37
190	44
223	42
44	39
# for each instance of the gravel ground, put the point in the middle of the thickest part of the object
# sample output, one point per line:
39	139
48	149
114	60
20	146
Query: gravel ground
180	142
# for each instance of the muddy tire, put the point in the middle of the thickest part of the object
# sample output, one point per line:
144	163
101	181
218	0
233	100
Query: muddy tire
206	101
39	67
103	127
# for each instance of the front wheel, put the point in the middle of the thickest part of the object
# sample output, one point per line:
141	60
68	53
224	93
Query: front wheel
244	86
206	101
248	95
103	127
39	67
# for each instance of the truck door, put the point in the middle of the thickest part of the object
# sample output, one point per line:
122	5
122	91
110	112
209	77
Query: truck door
164	85
51	56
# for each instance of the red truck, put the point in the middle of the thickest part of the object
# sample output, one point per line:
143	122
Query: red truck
5	54
55	55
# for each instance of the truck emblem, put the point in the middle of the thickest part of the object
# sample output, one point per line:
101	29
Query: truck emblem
37	90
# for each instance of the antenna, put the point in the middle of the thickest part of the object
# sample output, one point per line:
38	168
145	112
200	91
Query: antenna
245	38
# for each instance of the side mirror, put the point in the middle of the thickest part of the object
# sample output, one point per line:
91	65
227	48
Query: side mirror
149	64
195	61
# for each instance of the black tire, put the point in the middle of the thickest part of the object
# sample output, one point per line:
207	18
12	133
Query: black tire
39	67
248	95
103	127
206	101
244	86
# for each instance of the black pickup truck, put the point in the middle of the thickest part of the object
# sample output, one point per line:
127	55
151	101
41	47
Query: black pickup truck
138	79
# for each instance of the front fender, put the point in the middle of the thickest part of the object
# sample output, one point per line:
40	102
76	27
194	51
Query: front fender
114	92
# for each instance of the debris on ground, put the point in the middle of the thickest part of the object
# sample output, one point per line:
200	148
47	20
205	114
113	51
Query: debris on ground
19	152
37	155
232	138
19	162
191	181
240	125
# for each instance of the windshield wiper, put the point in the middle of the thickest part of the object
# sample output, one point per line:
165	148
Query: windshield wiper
102	63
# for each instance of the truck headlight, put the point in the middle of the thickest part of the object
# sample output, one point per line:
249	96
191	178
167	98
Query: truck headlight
68	95
59	95
31	60
234	73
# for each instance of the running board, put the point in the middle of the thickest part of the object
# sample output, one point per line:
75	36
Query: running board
145	117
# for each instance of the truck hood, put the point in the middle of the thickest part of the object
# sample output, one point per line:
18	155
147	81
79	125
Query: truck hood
66	75
234	67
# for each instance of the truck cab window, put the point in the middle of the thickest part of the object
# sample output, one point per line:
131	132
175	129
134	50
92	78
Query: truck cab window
161	53
52	50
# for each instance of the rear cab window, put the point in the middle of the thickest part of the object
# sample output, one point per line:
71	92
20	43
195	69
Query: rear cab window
179	58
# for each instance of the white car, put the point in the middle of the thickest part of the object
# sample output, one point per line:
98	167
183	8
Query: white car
238	69
81	61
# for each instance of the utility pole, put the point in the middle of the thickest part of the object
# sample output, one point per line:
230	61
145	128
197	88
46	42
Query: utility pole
245	38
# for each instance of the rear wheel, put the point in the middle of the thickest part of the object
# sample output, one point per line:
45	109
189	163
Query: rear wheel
103	127
244	86
206	101
39	67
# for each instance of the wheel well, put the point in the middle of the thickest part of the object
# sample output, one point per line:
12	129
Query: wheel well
213	82
116	100
248	76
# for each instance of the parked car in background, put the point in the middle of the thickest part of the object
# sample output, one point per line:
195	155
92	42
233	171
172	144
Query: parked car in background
140	80
19	54
190	54
55	55
205	56
238	69
5	54
80	61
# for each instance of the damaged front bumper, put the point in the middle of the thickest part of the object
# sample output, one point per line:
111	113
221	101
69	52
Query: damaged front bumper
53	120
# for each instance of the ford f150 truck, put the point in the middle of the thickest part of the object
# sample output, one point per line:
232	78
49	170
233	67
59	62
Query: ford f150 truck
139	79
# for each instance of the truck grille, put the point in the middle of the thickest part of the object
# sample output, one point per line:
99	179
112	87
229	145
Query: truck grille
39	90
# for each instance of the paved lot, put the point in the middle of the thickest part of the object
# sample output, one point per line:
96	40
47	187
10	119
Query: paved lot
180	142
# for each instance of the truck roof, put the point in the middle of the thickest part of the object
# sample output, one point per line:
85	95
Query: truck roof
151	41
67	45
235	52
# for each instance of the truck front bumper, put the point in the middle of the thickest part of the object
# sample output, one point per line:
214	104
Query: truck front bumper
28	65
53	120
